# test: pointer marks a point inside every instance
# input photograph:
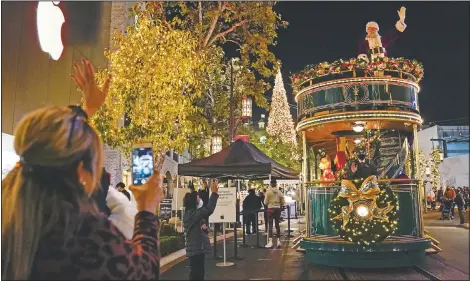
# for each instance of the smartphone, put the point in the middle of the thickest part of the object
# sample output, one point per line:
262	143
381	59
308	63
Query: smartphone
142	163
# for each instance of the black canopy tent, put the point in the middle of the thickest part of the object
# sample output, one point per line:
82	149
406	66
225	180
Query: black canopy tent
241	160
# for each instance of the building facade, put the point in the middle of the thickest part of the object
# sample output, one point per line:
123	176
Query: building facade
453	142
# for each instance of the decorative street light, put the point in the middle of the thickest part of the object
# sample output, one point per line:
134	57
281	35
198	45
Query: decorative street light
216	143
246	107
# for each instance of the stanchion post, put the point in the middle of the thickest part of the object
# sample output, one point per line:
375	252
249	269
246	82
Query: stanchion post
215	242
288	221
296	210
243	232
257	229
235	236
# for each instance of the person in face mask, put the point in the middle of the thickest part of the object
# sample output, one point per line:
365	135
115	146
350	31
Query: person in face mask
197	231
361	168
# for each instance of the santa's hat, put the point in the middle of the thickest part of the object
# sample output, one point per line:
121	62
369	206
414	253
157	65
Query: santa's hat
372	24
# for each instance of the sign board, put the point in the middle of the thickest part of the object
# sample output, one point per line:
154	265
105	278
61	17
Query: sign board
291	206
225	211
165	209
178	196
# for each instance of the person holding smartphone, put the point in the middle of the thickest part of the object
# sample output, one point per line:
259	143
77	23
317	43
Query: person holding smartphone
197	231
51	228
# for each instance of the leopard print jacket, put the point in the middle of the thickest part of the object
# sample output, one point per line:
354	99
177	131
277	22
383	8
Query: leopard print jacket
96	250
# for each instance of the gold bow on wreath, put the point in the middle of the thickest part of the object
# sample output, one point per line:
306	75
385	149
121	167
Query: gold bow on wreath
362	200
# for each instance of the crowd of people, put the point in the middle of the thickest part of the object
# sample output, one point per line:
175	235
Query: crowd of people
448	199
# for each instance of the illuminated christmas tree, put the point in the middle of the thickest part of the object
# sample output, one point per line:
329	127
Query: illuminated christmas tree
434	162
280	123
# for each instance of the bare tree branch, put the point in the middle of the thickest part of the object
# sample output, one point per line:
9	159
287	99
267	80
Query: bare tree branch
213	24
233	41
200	12
231	29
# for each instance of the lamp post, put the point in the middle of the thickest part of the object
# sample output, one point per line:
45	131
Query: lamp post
247	104
231	103
246	107
216	143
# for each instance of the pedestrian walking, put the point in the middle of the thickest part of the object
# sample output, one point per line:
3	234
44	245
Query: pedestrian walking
460	202
448	200
250	205
440	196
430	198
197	231
275	201
51	228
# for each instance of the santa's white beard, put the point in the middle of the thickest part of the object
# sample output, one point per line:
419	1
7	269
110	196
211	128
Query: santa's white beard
374	40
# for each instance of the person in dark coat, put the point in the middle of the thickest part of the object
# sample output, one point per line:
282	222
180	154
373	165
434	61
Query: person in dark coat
460	202
361	168
197	231
250	205
102	192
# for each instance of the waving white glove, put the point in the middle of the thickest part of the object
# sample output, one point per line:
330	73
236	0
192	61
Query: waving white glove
402	14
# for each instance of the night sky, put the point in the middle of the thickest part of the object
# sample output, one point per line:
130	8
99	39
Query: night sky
437	35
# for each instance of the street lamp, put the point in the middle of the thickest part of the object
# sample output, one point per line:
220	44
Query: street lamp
216	143
246	107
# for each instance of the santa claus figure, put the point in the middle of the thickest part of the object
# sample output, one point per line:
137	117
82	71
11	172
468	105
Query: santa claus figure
374	44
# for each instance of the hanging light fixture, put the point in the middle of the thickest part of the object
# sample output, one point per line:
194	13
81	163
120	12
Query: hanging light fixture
216	143
246	107
357	141
358	126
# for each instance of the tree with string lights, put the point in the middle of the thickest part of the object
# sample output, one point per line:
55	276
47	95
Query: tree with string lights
154	72
280	123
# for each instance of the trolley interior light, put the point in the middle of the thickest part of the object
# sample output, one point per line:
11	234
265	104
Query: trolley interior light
362	211
358	127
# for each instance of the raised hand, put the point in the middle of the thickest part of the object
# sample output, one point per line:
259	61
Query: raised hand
215	186
84	78
402	14
353	167
149	195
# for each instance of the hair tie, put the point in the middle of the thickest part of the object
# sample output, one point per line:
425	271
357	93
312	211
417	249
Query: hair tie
27	168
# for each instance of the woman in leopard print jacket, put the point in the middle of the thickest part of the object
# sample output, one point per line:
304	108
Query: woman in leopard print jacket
51	228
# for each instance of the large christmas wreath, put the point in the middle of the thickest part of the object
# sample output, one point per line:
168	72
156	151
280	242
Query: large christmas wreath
364	213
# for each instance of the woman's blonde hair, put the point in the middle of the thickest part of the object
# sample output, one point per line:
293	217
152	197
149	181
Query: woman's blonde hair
44	186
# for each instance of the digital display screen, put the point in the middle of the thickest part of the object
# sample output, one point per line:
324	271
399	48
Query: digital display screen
142	165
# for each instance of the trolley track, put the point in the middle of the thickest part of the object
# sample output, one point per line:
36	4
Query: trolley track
426	273
410	273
